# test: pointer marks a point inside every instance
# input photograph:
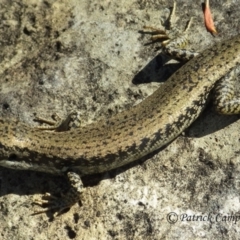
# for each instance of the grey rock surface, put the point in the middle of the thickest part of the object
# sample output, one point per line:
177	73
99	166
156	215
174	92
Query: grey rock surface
58	56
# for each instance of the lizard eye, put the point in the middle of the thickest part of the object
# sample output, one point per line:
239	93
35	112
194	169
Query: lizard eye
12	157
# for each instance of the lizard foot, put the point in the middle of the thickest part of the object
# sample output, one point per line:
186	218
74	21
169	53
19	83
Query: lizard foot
51	203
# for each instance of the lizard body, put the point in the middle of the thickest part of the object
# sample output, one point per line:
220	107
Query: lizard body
129	135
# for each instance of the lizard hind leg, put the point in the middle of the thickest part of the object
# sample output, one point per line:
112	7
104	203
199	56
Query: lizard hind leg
51	203
60	125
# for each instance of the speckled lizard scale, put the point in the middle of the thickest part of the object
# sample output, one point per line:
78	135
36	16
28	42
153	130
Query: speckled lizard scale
128	135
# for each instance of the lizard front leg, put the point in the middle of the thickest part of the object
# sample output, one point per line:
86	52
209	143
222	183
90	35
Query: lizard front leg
173	46
226	101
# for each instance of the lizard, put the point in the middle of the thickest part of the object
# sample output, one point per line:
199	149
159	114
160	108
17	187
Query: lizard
131	134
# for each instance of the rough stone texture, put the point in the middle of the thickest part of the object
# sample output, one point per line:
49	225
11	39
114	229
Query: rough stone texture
62	55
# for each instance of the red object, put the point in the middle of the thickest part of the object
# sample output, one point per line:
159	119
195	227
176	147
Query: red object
208	18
